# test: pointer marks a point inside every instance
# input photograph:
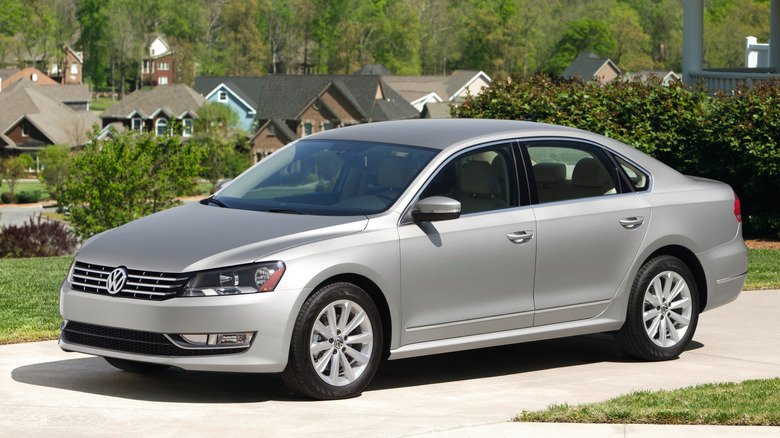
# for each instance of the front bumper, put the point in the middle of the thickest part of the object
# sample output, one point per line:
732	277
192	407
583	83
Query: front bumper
269	316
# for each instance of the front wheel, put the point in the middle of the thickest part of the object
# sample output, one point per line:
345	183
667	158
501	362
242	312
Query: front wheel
663	310
336	344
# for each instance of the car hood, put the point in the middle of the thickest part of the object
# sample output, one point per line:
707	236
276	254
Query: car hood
195	237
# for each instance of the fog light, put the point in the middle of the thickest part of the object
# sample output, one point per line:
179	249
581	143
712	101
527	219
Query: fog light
218	340
232	339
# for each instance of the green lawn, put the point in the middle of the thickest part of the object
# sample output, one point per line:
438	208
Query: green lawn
31	186
750	403
29	294
763	269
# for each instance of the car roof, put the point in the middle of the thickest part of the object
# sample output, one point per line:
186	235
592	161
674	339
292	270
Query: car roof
443	133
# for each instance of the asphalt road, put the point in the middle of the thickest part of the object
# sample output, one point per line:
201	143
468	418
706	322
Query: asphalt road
46	392
13	215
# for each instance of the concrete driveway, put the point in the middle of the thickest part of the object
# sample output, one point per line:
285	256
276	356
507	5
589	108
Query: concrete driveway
44	391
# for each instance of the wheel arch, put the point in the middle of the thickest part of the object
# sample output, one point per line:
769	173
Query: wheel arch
376	295
692	262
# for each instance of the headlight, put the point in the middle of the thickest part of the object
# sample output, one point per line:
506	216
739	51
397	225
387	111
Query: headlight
249	279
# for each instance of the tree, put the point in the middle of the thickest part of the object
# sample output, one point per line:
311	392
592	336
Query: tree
114	182
15	169
55	159
215	117
580	35
244	44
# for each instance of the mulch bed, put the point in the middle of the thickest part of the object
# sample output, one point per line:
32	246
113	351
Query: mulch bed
762	244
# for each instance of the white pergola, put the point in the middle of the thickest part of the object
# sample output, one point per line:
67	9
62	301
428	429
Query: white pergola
723	78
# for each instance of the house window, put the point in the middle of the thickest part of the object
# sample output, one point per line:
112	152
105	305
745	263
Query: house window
187	131
163	80
34	77
272	131
326	126
161	127
307	128
54	69
163	66
137	125
222	96
25	130
74	68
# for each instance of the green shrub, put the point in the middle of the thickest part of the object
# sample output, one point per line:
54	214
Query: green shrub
8	198
28	197
730	138
114	182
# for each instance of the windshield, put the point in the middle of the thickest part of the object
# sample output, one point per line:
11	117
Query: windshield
328	177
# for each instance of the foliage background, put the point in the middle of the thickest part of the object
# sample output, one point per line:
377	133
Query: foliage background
729	138
115	181
254	37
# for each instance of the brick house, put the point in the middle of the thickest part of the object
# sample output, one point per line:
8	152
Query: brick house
294	106
159	66
155	110
35	116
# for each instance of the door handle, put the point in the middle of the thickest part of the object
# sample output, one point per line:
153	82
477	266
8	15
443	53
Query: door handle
520	236
631	223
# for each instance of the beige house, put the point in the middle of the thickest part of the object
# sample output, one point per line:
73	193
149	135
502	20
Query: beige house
589	66
421	90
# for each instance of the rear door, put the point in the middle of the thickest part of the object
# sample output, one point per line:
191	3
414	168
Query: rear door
589	227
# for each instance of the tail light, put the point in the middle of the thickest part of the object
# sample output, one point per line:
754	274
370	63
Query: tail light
737	208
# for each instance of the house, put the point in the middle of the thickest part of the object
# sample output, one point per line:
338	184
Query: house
436	110
724	79
159	66
35	116
644	75
68	68
155	110
291	107
589	66
239	93
9	76
419	90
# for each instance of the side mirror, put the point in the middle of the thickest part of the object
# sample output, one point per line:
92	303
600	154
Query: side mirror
435	208
222	184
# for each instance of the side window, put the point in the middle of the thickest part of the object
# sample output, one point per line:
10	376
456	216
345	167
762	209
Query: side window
569	170
482	180
636	176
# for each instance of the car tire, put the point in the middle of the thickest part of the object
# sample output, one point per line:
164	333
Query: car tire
336	344
135	366
663	310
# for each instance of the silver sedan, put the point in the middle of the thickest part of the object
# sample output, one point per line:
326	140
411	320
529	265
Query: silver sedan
401	239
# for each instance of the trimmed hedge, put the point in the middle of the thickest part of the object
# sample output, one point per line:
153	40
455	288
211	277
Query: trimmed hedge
732	138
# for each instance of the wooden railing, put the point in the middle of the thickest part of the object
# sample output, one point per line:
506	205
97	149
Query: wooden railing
726	79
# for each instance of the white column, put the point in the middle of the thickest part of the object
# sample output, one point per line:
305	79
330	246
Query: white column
774	36
693	38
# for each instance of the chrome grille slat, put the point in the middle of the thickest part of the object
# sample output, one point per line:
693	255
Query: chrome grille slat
140	284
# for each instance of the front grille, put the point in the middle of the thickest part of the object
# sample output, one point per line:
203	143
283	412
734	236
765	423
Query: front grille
132	341
140	284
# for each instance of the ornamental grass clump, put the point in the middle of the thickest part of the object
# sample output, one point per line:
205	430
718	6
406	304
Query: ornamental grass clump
39	237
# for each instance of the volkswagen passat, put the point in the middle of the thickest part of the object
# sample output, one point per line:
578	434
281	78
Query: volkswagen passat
410	238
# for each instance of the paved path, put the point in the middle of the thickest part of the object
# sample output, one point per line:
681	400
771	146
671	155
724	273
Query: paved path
18	215
46	392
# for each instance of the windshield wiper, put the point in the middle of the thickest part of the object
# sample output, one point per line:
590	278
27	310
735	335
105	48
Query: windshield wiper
285	211
213	200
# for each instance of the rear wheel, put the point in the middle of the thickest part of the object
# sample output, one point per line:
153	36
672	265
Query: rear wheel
663	310
135	366
336	344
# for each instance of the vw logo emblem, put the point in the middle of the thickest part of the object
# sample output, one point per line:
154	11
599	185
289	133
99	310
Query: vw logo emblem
116	280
